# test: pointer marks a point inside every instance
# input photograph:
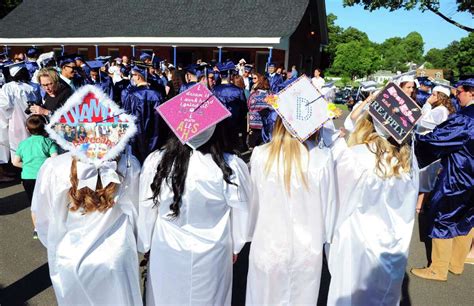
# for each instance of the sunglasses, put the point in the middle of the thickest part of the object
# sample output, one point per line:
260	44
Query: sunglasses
72	67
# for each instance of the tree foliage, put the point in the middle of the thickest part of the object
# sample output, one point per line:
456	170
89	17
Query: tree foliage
355	59
430	5
6	6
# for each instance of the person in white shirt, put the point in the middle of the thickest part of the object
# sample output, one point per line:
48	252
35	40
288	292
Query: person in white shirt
317	80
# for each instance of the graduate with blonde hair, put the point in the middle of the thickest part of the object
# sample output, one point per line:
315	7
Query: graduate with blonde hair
292	203
377	188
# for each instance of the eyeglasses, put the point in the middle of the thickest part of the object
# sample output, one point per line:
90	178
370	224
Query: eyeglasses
72	67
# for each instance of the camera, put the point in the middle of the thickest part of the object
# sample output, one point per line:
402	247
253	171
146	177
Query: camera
30	104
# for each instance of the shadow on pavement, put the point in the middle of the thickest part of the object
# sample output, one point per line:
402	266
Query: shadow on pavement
13	204
24	289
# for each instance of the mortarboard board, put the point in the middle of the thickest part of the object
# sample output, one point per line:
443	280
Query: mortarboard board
302	108
95	64
66	59
90	109
103	58
144	56
193	114
425	81
139	69
15	67
271	65
226	68
468	83
192	68
45	58
31	52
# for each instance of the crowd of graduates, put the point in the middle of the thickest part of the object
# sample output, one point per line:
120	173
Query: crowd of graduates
192	207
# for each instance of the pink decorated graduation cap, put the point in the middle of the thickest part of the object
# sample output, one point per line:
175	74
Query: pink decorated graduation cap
192	112
91	126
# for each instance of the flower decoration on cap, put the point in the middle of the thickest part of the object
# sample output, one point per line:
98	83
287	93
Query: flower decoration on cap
272	100
333	111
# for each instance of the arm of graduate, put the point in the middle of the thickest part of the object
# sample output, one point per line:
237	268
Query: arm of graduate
42	201
446	138
147	211
328	196
238	198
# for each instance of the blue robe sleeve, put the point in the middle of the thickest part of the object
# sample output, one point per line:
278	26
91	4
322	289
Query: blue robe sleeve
269	117
448	137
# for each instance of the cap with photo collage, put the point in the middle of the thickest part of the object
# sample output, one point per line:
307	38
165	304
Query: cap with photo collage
95	130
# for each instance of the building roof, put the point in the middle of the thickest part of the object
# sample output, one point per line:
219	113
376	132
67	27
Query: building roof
151	21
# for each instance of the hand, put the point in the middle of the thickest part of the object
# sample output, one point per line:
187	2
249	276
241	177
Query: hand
432	99
370	98
342	132
38	110
234	258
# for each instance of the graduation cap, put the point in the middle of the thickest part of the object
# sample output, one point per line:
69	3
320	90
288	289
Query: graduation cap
468	83
192	68
108	128
66	59
141	70
144	56
45	58
442	89
248	68
226	68
193	114
15	67
32	52
103	58
272	64
425	81
95	64
302	108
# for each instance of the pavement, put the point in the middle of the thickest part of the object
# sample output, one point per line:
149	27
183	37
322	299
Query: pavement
24	275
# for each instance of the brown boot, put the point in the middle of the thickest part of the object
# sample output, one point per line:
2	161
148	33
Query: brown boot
428	273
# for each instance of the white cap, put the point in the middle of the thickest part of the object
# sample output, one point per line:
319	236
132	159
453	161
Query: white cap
14	68
405	78
442	89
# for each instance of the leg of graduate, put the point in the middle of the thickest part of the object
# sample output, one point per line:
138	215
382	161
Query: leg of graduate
461	247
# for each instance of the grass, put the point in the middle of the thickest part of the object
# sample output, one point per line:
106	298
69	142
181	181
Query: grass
342	107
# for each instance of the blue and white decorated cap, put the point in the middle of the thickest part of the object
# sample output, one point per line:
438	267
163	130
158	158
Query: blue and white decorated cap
91	126
15	67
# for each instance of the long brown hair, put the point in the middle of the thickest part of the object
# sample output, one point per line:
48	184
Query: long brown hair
386	152
286	149
99	200
445	101
262	82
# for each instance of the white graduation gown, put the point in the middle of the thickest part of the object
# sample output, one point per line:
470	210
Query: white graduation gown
13	103
92	258
430	118
369	249
191	256
287	247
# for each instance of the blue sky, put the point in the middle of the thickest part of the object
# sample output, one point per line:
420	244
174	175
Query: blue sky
382	24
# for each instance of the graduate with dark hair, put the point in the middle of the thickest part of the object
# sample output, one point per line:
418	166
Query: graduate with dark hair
140	100
233	98
274	78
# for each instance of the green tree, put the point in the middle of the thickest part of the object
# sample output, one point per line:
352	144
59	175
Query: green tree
424	5
334	35
435	57
393	54
413	45
355	59
464	58
351	34
6	6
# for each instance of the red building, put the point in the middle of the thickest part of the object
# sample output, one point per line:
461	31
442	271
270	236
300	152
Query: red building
290	32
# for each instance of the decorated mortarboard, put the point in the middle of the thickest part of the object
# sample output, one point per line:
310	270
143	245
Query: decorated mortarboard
31	52
91	126
395	112
15	67
192	113
302	108
467	82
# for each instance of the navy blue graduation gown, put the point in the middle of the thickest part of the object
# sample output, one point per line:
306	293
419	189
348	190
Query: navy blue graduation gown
451	206
269	117
274	81
233	98
141	102
186	86
32	67
421	97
